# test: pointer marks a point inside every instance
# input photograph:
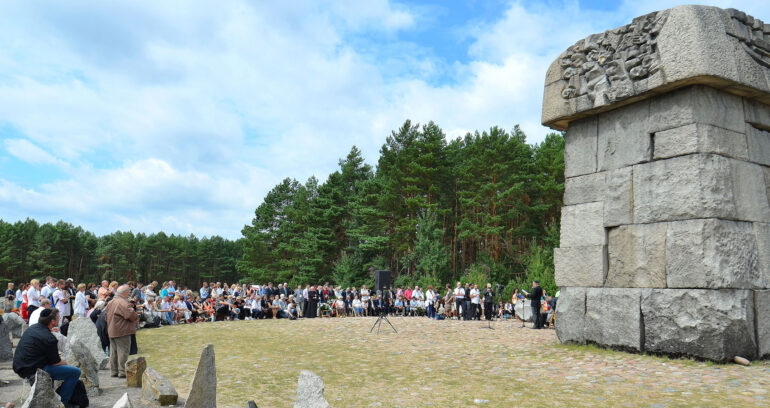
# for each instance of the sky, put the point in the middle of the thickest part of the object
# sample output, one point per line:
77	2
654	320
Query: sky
179	116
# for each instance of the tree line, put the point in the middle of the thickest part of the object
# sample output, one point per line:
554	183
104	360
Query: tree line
482	208
30	250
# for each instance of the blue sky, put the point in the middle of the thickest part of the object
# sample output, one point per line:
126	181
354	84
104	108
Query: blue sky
180	115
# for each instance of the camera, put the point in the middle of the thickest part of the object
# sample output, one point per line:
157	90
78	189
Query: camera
500	287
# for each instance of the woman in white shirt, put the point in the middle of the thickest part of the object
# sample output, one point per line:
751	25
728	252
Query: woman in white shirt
430	299
358	306
81	302
33	295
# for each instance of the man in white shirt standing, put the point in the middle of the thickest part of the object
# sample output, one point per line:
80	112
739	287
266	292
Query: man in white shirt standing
48	288
459	294
475	312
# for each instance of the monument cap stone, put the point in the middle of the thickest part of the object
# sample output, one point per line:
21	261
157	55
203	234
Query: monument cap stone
657	53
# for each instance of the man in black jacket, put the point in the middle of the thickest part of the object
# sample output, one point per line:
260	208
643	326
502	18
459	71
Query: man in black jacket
489	302
38	349
535	296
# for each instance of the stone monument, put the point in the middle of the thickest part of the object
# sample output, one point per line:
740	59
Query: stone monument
665	229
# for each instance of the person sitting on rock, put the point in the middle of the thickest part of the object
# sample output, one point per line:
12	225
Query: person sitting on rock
37	349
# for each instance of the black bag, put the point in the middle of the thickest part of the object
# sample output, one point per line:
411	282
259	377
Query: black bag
79	395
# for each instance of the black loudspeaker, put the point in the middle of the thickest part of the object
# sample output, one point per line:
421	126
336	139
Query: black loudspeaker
381	280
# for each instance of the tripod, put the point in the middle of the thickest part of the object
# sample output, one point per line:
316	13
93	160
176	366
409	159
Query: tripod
383	315
491	314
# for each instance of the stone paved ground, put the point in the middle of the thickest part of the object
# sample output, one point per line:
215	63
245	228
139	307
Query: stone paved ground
430	363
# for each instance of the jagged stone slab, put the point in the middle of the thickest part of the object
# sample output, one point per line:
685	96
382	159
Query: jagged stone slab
762	308
570	315
6	347
16	324
700	138
203	390
613	317
580	148
84	329
123	402
580	266
584	189
582	225
310	391
619	198
711	253
637	256
712	324
251	404
672	49
135	366
42	394
157	388
89	370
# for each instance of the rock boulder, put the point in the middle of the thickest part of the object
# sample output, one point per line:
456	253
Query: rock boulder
156	388
135	366
84	329
310	391
89	370
42	394
203	390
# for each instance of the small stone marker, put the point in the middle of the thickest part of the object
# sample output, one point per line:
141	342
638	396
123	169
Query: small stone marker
157	388
123	402
135	366
251	404
310	391
15	324
42	394
82	358
203	390
6	348
85	330
742	361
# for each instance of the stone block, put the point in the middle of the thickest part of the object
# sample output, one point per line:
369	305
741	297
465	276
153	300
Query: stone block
613	318
624	138
203	390
637	256
762	236
570	315
762	310
85	330
6	347
697	104
310	391
711	253
42	394
699	138
694	186
619	200
89	369
585	189
712	324
157	388
758	145
757	113
135	366
749	191
580	148
582	225
580	266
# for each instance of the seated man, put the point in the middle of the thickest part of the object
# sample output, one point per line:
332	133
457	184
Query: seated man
400	306
37	349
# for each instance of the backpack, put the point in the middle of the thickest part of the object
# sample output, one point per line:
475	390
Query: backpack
79	395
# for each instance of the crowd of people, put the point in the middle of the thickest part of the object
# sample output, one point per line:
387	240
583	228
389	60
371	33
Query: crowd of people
169	303
119	310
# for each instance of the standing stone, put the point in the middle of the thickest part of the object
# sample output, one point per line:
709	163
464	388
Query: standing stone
123	402
251	404
571	315
613	318
42	394
15	324
84	329
6	347
135	366
156	388
310	391
762	305
203	390
89	370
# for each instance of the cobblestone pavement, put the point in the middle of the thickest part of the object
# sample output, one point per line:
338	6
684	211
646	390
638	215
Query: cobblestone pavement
440	363
430	363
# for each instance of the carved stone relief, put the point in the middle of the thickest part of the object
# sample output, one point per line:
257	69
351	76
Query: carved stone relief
605	66
753	34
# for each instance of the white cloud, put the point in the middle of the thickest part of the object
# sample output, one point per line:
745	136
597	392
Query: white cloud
180	116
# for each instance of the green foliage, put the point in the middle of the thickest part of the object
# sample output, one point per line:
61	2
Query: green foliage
477	273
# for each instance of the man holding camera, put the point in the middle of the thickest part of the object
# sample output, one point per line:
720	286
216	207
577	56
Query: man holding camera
489	302
121	324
